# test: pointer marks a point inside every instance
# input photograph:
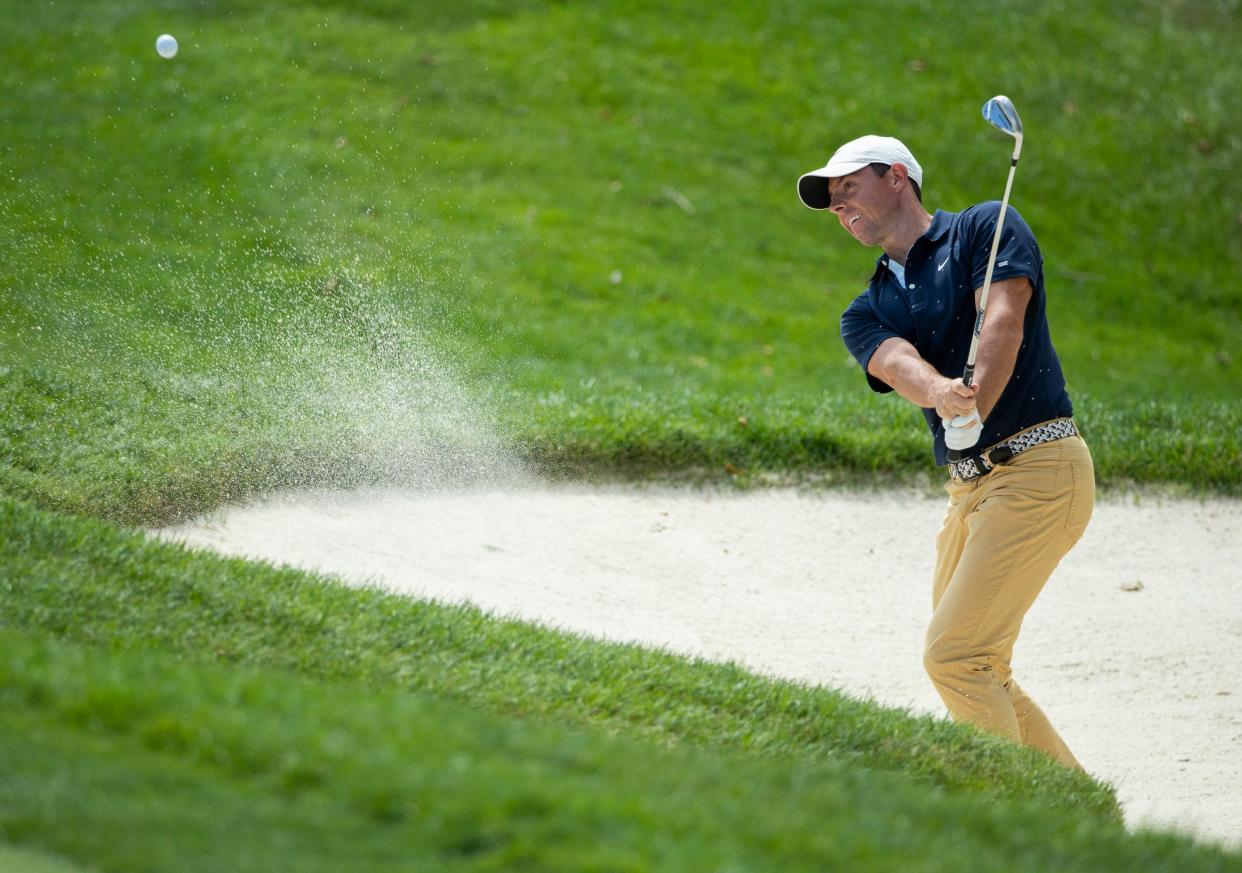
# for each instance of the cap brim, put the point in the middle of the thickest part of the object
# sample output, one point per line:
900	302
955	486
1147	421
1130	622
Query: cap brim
813	191
813	186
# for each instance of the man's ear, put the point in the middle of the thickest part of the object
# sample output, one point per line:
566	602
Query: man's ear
898	172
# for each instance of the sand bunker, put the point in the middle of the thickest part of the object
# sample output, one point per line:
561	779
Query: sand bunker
1134	650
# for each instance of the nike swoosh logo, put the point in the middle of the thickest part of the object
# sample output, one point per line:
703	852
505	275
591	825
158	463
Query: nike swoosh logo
941	266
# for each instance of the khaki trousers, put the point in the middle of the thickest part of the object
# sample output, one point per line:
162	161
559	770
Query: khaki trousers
1003	535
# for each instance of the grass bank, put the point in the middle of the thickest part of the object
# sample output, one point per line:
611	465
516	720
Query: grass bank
254	718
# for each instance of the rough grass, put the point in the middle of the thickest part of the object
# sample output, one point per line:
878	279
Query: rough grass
92	583
175	710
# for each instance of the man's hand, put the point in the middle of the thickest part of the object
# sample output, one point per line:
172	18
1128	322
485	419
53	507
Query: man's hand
953	398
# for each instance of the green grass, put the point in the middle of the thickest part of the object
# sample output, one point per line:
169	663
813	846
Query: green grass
254	718
26	861
374	242
255	255
88	582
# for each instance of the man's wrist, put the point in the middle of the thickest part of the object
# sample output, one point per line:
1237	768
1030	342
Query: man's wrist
940	389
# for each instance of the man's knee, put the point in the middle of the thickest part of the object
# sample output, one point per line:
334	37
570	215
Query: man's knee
946	662
939	662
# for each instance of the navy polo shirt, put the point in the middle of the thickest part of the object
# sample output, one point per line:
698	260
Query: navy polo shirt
934	309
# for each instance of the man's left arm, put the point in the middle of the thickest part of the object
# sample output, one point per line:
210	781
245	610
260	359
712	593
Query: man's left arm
1000	339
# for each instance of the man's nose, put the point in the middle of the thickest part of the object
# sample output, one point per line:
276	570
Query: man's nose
835	203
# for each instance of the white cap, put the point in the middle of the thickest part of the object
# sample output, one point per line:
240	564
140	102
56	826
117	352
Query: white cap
852	157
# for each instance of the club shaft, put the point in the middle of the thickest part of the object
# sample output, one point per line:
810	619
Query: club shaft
968	374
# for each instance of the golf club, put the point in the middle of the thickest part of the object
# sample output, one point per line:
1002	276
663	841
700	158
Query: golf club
963	432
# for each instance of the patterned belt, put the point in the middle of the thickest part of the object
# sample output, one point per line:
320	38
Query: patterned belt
982	464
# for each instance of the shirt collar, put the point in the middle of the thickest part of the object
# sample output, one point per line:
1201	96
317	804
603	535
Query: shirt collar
940	224
881	267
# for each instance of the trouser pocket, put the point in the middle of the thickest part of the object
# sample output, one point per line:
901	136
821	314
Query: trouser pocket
1077	457
1082	499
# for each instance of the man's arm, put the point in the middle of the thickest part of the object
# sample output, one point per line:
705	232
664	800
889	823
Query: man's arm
1000	339
899	364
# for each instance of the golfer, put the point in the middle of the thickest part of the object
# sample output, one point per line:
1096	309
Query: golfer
1022	498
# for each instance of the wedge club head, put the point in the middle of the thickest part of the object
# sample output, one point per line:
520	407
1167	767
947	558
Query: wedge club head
1000	113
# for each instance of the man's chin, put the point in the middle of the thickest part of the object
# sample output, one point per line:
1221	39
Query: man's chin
862	238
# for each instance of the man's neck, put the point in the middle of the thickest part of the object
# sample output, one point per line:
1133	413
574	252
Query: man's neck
906	231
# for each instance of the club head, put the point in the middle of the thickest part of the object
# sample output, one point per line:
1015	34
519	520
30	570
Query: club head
1000	112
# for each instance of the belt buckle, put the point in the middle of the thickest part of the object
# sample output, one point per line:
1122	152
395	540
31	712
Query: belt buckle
987	461
1004	451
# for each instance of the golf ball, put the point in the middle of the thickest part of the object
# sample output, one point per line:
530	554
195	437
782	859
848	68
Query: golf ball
166	45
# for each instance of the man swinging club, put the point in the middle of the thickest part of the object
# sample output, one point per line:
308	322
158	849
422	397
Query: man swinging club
1021	496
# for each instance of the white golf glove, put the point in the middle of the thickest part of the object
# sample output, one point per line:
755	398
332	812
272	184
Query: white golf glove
962	432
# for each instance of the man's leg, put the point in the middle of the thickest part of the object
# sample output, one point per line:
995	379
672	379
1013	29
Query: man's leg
1003	537
1036	730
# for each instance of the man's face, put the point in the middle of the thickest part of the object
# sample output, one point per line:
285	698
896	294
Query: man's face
863	202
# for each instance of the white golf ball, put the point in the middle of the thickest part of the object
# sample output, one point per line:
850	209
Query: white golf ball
166	45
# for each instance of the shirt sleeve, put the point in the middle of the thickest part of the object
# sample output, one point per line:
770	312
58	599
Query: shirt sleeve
1018	253
862	331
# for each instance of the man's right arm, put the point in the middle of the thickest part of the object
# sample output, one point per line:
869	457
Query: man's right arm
897	362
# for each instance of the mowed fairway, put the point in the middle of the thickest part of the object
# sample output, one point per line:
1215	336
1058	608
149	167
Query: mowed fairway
378	243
